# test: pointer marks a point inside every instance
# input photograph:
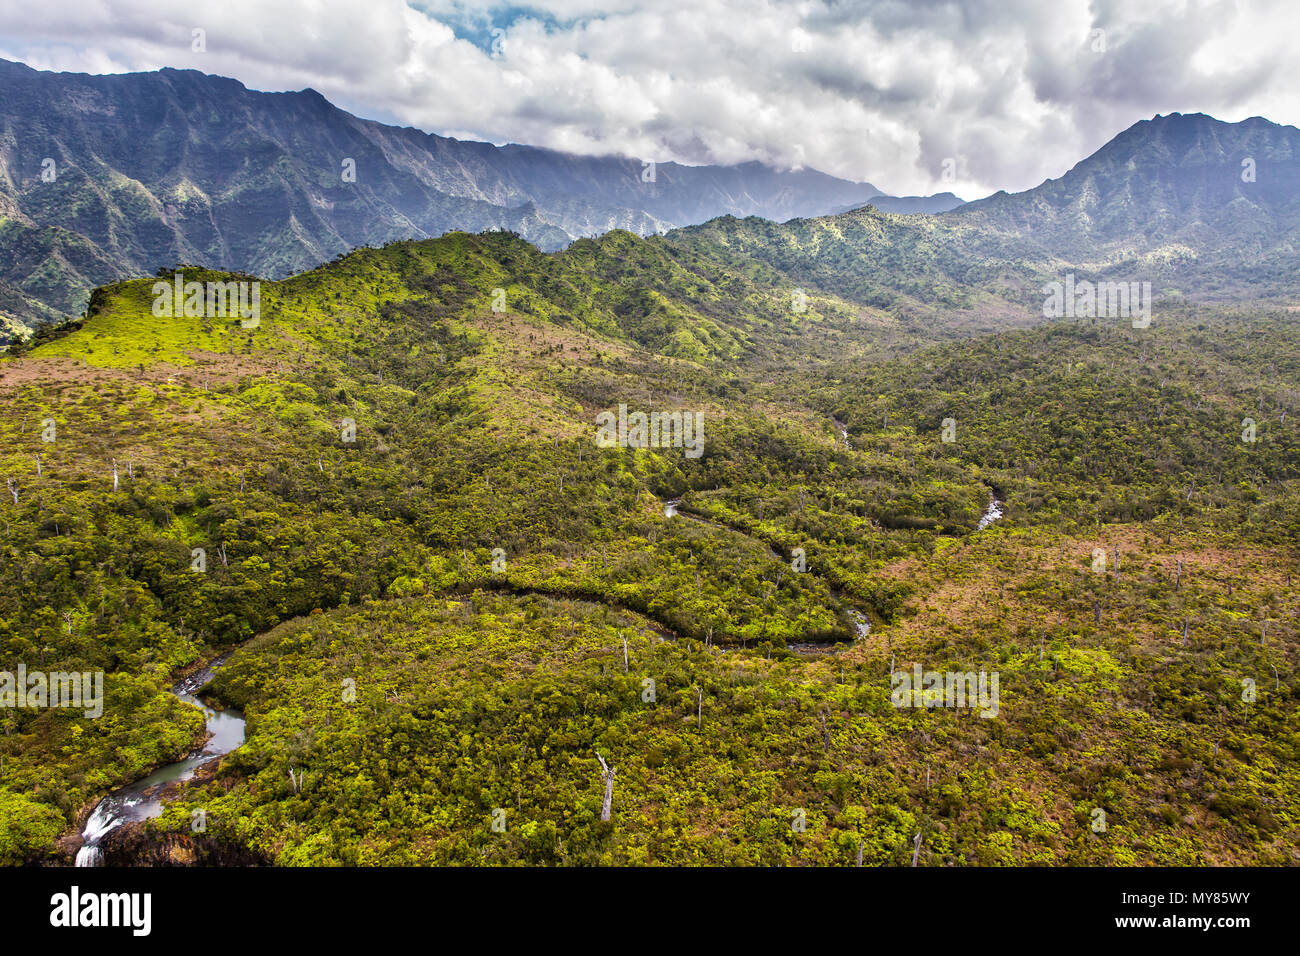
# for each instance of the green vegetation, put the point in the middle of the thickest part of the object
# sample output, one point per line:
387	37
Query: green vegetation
472	563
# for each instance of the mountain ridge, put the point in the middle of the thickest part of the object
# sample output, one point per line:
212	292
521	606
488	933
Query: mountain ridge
1176	178
1163	202
259	184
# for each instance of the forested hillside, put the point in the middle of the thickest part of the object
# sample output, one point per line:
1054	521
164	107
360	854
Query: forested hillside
93	186
1203	210
441	619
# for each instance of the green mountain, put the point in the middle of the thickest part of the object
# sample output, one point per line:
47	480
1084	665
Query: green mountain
1164	202
448	599
105	177
1169	187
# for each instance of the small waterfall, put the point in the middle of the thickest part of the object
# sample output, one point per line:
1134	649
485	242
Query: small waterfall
670	508
860	623
97	824
121	806
991	515
143	799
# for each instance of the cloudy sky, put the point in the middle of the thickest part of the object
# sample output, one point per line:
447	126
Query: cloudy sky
1001	94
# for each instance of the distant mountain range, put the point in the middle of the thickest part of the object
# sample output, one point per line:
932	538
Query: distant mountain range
910	205
150	169
1192	204
106	177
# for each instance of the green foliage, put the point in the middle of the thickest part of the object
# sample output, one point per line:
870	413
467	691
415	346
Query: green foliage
27	828
473	562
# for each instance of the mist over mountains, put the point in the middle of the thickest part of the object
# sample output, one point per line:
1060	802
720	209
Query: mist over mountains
1177	193
1196	206
105	177
150	169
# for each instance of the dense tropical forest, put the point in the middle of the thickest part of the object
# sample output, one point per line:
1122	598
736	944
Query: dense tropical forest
447	606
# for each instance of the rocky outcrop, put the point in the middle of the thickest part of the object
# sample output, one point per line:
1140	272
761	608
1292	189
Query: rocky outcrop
137	844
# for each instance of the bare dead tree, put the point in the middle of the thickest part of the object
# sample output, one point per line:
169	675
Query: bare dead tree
608	773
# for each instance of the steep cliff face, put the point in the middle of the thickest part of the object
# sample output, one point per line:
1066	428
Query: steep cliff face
133	845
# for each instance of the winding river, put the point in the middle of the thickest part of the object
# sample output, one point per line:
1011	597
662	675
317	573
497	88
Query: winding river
143	799
861	624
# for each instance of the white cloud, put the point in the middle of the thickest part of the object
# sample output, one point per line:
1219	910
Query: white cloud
1012	91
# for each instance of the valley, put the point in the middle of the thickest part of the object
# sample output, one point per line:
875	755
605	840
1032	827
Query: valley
443	599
